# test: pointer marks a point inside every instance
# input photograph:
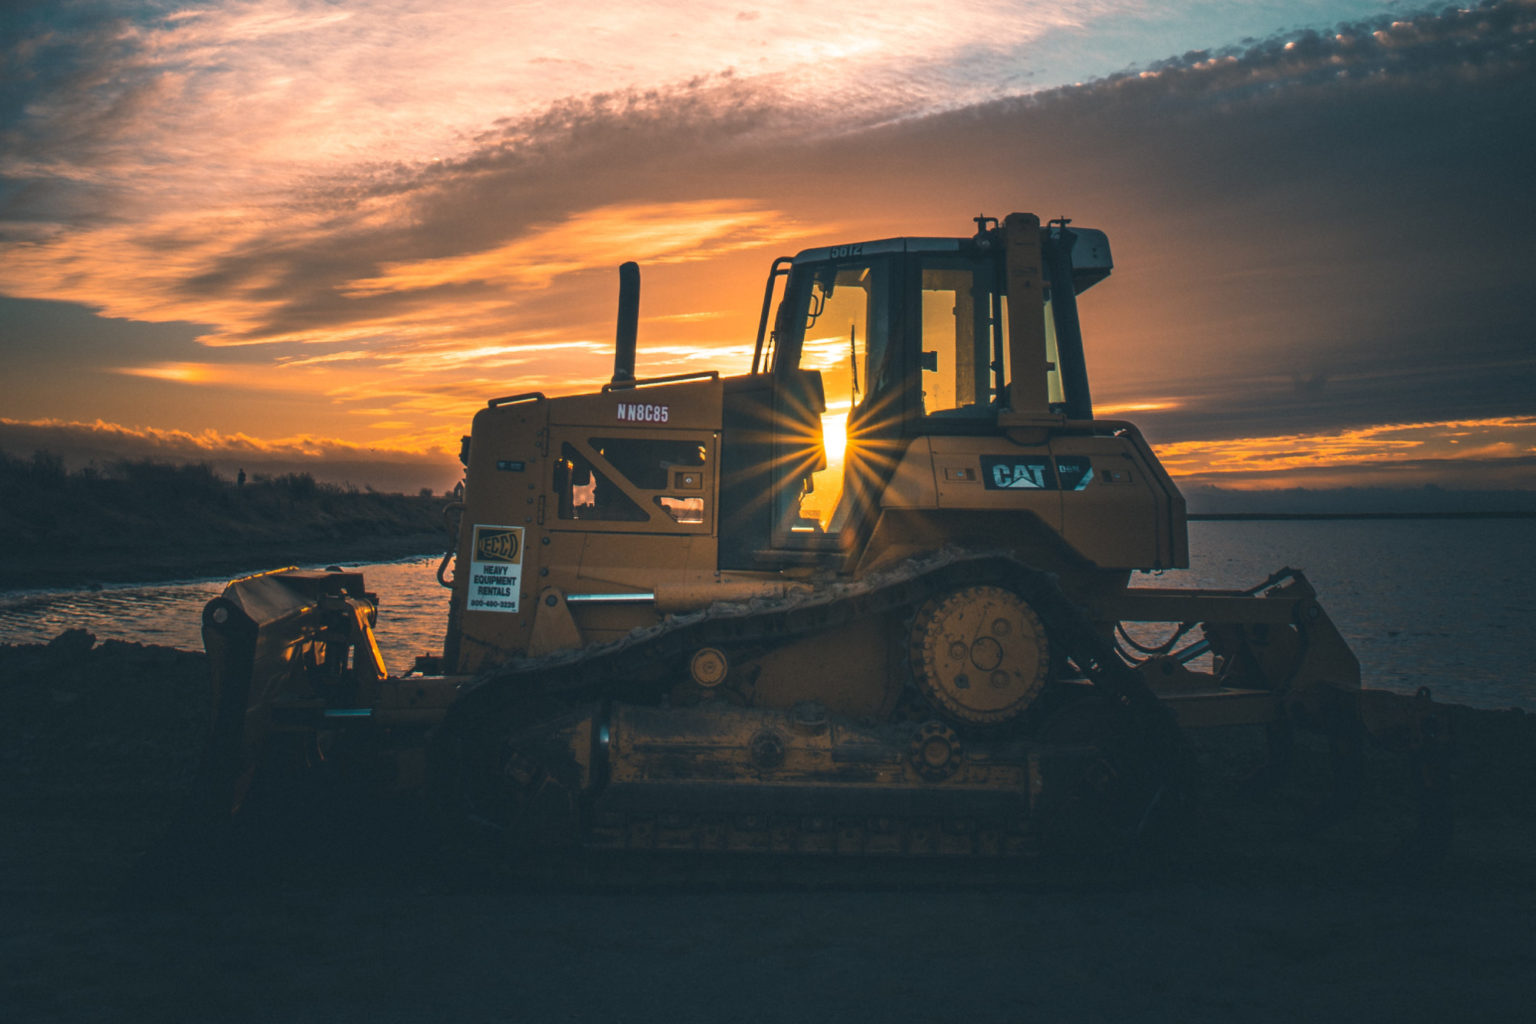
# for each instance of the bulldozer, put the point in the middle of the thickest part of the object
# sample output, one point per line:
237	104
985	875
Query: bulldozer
872	597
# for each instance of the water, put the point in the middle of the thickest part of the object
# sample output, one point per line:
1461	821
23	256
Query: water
413	610
1440	603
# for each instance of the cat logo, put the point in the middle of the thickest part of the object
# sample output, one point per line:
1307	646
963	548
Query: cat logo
498	544
1036	473
1016	473
1023	476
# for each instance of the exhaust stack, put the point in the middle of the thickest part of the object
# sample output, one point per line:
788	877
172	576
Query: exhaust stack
629	320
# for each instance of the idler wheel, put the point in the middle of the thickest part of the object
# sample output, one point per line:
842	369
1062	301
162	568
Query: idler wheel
766	750
979	654
935	752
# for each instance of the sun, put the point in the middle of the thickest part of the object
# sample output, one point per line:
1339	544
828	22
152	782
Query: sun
834	436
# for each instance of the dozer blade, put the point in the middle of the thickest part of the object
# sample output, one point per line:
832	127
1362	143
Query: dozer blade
288	651
1274	651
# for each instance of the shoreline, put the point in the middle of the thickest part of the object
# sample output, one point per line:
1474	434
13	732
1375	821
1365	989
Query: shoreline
147	523
1195	517
156	565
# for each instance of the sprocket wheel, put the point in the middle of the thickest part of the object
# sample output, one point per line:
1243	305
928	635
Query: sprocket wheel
979	654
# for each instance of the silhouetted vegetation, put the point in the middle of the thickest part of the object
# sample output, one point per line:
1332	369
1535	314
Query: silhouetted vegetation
143	520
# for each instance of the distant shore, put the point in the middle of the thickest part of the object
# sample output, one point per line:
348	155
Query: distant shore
147	522
150	566
1264	516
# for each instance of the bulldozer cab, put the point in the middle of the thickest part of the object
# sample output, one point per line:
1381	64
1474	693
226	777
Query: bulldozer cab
900	377
877	343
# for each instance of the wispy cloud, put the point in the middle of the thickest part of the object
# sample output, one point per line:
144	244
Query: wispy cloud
238	90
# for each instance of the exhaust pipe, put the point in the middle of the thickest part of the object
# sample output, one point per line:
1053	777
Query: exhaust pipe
629	321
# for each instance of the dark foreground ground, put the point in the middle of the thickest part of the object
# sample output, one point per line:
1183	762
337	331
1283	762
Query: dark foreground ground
360	911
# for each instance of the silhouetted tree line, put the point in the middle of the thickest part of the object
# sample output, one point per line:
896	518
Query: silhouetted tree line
160	479
39	495
142	520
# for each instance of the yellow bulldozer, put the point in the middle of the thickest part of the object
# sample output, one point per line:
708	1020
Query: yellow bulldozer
870	597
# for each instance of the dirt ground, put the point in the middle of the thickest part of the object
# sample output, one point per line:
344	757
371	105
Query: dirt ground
360	910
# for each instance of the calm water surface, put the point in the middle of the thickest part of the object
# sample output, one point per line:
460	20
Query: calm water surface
413	610
1446	604
1441	603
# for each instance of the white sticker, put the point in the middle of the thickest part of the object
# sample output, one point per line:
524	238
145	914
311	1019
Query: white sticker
641	412
496	569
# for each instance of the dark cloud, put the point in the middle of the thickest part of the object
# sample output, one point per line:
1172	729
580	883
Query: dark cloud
71	85
62	335
656	146
1353	207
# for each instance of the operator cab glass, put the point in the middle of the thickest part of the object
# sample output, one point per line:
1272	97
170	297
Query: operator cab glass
962	343
910	338
847	318
843	314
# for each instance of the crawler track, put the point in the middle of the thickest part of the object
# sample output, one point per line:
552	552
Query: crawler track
496	763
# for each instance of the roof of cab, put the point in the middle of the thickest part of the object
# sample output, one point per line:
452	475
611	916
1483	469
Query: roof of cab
1090	252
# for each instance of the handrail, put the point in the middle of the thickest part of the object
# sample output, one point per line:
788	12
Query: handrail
673	379
762	320
625	598
530	396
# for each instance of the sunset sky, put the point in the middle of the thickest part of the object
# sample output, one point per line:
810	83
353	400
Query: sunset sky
300	234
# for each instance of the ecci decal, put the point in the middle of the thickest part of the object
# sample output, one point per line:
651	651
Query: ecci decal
496	569
498	543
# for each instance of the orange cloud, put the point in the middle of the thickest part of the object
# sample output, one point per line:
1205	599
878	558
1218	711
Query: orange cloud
1119	409
184	373
1283	460
652	232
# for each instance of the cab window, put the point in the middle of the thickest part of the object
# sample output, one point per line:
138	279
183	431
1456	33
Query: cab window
962	349
669	473
585	493
845	317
